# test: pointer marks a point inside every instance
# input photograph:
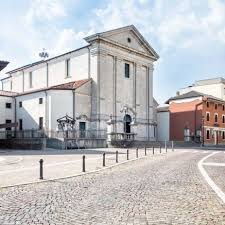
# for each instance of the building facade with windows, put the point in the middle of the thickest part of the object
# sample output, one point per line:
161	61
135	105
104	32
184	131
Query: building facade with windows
197	117
108	82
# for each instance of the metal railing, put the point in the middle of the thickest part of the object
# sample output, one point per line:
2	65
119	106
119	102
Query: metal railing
72	134
78	134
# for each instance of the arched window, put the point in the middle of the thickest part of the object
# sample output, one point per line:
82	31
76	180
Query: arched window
127	122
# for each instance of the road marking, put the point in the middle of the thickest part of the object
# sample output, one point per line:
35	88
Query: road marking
210	182
213	164
205	152
51	164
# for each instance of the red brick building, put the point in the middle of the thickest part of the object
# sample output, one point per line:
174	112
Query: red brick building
197	117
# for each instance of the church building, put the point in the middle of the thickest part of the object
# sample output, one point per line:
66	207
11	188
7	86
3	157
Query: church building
106	85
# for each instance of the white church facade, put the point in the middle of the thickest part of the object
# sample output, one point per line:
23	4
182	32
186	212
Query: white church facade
105	85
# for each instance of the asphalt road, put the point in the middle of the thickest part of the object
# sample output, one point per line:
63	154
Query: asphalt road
184	187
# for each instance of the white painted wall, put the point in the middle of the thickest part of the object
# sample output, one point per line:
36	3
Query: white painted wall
60	104
5	113
163	126
31	110
6	84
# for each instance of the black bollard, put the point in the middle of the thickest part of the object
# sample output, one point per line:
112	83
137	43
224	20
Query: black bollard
41	169
127	154
160	150
103	163
145	151
116	156
83	164
153	150
137	153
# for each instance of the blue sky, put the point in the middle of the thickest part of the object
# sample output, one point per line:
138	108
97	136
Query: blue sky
188	35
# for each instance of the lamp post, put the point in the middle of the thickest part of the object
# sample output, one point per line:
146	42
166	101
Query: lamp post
203	130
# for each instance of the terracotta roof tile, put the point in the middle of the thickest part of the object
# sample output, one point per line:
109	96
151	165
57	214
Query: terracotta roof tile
7	93
67	86
70	85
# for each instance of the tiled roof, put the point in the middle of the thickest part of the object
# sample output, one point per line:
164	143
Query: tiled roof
67	86
70	85
7	93
193	94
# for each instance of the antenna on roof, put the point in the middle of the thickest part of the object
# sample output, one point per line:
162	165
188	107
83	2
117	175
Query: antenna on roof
44	55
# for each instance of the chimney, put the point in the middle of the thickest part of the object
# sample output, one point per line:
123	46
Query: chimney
178	93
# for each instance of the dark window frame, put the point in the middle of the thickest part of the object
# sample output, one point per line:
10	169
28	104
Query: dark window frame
127	70
41	123
8	121
20	104
207	134
216	106
207	116
68	67
216	118
8	105
31	79
20	124
40	101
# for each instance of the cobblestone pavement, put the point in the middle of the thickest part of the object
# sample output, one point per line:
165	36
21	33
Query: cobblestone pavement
164	189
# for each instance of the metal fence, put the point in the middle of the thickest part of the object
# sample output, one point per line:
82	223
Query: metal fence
72	134
78	134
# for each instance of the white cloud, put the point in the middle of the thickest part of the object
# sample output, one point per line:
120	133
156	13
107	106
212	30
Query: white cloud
173	24
45	10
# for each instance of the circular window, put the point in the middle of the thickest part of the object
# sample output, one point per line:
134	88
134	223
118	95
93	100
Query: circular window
128	40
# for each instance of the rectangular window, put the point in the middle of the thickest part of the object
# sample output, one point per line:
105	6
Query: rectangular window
223	135
20	104
223	118
207	134
8	128
30	79
40	123
207	104
215	106
127	70
11	85
216	118
40	100
20	124
82	128
68	68
223	108
8	105
207	116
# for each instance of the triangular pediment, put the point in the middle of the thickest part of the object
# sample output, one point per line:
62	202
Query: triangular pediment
128	37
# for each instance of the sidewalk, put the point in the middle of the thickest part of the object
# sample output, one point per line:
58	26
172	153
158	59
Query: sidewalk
22	167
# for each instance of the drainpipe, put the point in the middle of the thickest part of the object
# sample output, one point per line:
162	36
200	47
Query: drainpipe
73	104
196	108
46	111
47	74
